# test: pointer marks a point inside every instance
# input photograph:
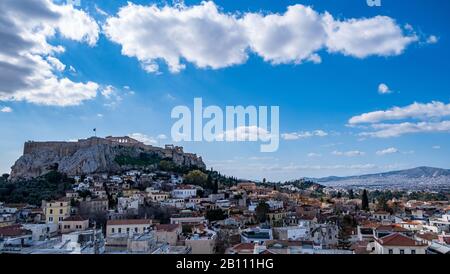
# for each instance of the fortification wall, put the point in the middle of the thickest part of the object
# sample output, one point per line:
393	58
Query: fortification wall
69	148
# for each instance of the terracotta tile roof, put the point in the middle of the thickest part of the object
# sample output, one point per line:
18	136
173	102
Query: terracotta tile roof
129	222
398	239
394	228
13	231
244	246
76	218
428	236
167	227
360	247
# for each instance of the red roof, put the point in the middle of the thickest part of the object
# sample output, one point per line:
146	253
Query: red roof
167	227
398	239
244	246
76	218
394	228
13	231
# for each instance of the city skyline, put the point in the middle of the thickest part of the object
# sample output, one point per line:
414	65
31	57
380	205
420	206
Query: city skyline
360	89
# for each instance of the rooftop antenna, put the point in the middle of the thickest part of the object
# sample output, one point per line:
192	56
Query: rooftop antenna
95	132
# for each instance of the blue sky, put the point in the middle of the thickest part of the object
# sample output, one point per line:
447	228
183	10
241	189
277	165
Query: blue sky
408	54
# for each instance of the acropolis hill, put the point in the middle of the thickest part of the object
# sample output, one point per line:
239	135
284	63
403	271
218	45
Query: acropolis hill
90	156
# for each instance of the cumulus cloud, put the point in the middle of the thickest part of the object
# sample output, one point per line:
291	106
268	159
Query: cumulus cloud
390	150
436	147
360	38
398	129
351	153
6	109
303	134
434	109
200	34
285	38
313	154
383	89
432	118
28	61
209	38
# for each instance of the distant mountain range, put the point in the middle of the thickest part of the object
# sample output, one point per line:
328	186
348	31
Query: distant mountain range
416	178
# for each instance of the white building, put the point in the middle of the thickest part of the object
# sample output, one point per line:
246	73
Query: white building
184	193
398	243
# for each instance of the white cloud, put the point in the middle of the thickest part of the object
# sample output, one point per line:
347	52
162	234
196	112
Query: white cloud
432	39
161	137
244	133
108	91
398	129
288	38
386	151
436	147
28	61
209	38
56	63
294	167
360	38
383	89
200	34
100	11
416	111
6	109
303	134
146	139
351	153
313	154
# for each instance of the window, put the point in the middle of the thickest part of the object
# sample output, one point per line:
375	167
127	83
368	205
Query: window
128	229
60	211
120	230
402	251
413	251
136	229
112	230
61	204
50	219
391	251
51	211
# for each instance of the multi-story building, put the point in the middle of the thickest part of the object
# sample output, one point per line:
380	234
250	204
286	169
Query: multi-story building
74	223
129	226
56	211
168	233
184	192
398	243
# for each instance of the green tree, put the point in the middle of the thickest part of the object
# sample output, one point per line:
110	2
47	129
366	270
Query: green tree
365	201
351	195
196	177
261	211
215	187
215	215
343	239
165	165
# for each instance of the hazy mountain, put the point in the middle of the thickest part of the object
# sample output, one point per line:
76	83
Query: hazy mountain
415	178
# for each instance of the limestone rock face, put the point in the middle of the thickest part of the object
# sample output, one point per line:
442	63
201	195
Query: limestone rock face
89	156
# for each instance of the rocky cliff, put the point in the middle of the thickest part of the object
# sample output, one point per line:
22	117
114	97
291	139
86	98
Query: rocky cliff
89	156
